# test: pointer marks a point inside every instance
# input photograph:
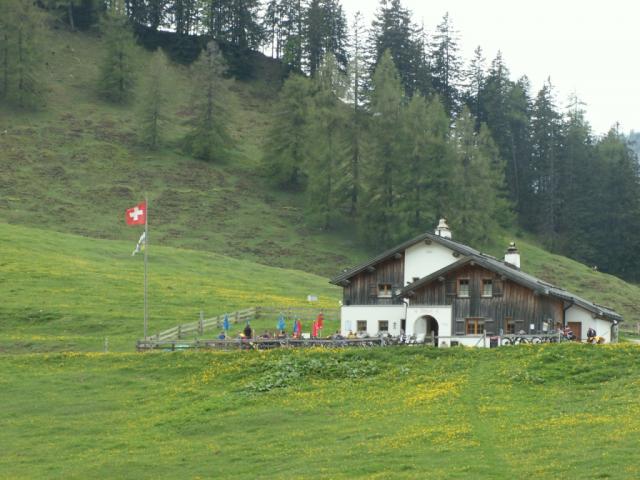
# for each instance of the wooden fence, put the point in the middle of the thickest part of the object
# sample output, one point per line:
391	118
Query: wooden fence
203	325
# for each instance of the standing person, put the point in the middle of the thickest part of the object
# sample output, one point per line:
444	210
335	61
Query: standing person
247	331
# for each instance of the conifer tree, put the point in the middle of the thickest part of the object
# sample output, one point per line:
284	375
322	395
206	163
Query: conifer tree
475	79
355	94
327	156
208	138
286	146
117	72
545	144
413	204
152	101
477	174
615	229
446	65
381	166
393	31
20	58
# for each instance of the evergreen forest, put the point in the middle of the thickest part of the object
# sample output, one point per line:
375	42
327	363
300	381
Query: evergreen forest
381	127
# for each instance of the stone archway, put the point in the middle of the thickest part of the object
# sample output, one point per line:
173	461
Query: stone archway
423	327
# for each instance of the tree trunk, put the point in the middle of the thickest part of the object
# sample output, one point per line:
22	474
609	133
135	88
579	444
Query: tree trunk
70	14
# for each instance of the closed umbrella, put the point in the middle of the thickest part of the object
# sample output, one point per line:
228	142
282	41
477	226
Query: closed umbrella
281	324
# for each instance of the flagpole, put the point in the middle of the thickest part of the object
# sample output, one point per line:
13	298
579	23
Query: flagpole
146	248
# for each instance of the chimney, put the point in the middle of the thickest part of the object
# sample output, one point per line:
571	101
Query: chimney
442	230
512	256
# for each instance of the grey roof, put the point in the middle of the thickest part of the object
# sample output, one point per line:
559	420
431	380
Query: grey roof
486	261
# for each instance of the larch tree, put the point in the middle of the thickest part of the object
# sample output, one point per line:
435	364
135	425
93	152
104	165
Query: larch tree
477	176
21	65
286	147
355	94
208	137
152	101
118	70
328	149
383	155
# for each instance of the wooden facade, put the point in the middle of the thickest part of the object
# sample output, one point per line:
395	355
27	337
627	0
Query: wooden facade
509	305
364	288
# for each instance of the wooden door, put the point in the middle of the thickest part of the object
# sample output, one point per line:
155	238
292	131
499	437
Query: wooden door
576	328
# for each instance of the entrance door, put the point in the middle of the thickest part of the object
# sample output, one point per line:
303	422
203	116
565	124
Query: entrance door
432	330
576	328
424	327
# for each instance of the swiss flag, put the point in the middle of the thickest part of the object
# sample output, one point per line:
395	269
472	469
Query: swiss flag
137	215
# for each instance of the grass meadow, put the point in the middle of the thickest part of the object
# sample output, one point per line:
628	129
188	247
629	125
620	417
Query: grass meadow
66	292
550	411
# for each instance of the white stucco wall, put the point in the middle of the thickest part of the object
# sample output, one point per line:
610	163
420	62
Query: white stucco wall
585	317
442	314
421	260
372	314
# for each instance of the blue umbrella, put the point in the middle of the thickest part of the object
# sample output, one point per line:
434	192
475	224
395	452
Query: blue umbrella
225	323
281	325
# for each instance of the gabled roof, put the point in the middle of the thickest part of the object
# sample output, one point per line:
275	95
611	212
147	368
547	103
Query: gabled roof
486	261
455	246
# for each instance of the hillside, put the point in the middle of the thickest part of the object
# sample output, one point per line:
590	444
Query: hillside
74	167
553	411
66	292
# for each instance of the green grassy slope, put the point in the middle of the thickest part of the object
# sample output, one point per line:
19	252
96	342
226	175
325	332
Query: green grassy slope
76	165
554	411
61	291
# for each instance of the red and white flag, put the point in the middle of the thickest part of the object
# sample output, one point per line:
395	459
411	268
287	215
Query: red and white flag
137	215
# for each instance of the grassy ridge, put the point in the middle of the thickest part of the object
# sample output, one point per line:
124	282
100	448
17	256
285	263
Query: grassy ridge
555	411
68	292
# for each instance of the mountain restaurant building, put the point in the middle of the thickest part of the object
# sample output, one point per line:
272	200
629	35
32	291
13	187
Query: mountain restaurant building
433	285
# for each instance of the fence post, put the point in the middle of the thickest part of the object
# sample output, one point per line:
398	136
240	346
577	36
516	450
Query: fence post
484	339
201	325
236	320
179	332
257	312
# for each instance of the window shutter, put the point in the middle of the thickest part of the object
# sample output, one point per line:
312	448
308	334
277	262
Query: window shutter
460	327
519	325
451	288
373	290
497	287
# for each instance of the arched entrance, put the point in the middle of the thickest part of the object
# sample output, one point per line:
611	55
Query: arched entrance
424	327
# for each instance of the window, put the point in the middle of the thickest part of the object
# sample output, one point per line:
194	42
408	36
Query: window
475	326
487	287
383	325
463	287
362	326
384	290
509	326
